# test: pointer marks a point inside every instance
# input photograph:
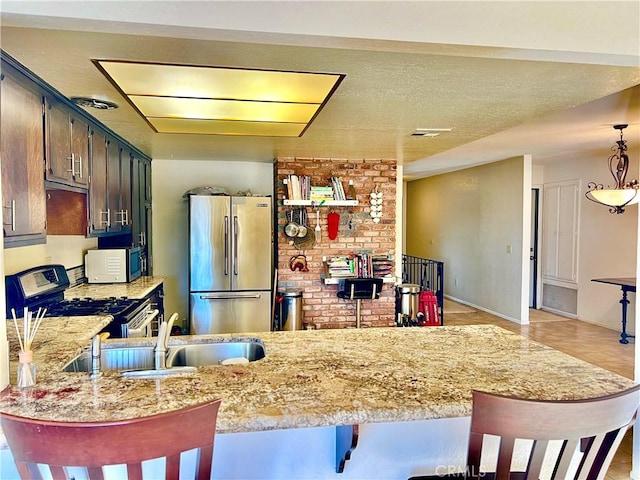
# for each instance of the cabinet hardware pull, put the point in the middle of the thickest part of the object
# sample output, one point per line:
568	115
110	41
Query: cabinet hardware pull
124	217
106	222
13	215
73	165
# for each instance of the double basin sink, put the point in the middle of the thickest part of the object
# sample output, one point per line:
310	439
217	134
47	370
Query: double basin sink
135	361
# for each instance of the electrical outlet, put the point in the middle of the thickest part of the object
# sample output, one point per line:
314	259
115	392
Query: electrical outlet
455	282
509	249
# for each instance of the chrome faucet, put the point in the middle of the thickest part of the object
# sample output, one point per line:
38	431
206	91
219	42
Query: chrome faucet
160	352
96	347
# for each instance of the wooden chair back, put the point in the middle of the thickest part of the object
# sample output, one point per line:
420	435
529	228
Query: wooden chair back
591	428
97	444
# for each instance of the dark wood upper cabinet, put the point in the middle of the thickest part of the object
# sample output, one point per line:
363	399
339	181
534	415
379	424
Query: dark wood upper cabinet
98	214
67	155
126	212
22	153
49	145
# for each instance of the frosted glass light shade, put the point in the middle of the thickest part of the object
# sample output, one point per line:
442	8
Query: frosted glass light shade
616	197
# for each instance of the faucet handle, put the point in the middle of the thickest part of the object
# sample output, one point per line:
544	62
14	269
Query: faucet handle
169	325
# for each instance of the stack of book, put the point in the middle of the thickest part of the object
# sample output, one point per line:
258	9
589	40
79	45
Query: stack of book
340	267
318	194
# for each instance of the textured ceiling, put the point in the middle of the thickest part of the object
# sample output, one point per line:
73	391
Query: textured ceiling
390	89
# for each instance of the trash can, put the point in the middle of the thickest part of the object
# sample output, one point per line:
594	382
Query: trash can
290	313
407	296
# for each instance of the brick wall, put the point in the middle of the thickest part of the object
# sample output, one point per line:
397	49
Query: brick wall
357	234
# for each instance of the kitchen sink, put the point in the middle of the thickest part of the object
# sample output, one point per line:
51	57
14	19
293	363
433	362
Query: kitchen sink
216	353
120	358
189	355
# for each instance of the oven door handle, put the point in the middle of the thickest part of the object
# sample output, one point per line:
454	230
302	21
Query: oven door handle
140	327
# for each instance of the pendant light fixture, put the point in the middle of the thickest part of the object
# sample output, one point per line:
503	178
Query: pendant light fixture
623	193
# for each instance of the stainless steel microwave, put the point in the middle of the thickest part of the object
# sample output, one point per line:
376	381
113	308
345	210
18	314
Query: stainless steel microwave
112	265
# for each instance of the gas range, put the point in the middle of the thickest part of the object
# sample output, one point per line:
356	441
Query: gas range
44	287
91	306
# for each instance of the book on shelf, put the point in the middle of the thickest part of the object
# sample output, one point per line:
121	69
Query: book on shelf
340	267
321	193
361	265
338	190
298	187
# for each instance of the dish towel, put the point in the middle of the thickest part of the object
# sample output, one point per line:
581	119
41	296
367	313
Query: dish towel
333	221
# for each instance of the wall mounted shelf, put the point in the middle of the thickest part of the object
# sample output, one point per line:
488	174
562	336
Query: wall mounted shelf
337	280
327	203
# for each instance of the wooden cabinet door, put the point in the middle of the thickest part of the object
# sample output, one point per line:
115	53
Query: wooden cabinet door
126	214
67	146
146	179
22	153
80	151
140	175
113	184
59	163
98	221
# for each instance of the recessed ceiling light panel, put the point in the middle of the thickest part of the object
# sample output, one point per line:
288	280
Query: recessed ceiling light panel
198	108
211	95
221	127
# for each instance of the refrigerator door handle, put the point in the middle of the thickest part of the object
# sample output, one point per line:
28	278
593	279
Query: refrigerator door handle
226	245
228	297
235	245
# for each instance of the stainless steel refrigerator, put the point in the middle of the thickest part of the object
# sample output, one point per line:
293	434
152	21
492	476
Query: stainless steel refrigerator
230	264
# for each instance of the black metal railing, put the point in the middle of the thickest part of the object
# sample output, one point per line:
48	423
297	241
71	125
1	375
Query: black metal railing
429	274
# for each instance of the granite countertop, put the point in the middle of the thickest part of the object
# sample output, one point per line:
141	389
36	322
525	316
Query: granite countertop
139	288
316	378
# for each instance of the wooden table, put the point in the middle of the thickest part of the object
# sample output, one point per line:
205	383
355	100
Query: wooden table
627	285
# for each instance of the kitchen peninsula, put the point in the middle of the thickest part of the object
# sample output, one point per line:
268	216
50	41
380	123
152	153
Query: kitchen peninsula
408	389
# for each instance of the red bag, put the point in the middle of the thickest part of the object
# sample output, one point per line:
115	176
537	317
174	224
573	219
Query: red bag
428	304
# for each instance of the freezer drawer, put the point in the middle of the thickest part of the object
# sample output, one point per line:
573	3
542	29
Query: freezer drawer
230	312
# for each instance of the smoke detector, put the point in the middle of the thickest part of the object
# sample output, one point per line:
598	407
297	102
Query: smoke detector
88	102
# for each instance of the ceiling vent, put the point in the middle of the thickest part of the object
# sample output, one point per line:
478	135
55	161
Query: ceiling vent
428	132
88	102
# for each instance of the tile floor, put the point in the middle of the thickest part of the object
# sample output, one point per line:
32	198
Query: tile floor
588	342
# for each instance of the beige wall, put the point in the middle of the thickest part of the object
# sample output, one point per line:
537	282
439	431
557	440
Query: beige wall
607	242
472	220
170	180
67	250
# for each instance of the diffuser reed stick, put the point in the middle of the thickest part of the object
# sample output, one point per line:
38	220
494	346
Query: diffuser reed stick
26	376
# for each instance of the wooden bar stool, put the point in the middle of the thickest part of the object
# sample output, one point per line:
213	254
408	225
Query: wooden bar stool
94	445
574	439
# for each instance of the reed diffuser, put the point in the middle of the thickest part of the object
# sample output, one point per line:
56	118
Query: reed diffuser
26	376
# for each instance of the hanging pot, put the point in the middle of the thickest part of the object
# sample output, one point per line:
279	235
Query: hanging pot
291	229
302	227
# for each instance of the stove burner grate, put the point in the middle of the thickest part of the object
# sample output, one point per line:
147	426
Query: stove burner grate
88	306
